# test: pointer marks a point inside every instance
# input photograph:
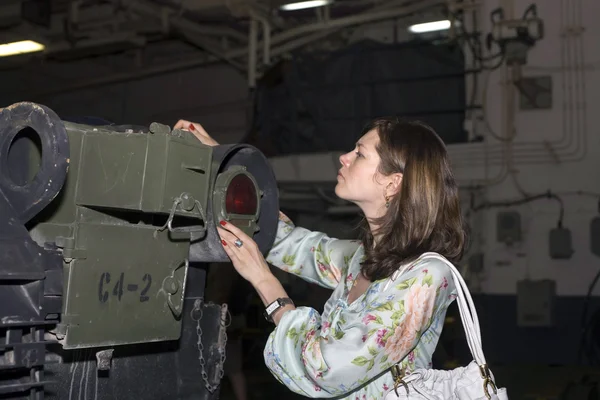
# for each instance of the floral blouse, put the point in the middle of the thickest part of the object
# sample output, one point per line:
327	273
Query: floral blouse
347	351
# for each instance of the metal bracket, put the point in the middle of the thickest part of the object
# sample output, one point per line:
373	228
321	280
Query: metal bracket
174	286
187	203
69	252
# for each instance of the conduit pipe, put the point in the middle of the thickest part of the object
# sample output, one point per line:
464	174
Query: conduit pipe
252	54
266	35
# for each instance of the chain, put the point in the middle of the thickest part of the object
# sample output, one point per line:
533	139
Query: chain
198	305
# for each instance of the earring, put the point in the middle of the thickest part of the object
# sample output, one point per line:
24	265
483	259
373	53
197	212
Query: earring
386	197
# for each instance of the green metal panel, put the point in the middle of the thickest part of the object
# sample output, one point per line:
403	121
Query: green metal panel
141	171
124	283
111	170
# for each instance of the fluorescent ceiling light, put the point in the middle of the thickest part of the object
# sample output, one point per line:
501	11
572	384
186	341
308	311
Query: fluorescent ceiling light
430	26
22	47
305	4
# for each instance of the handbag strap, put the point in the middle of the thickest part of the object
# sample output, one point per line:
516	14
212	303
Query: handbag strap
467	311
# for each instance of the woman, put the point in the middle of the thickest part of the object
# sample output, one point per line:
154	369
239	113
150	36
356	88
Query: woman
388	302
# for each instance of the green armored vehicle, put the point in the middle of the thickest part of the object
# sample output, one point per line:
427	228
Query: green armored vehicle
104	234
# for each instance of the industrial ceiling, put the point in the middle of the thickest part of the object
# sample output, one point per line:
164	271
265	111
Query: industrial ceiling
153	36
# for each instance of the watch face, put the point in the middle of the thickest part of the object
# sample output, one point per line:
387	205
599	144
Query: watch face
272	307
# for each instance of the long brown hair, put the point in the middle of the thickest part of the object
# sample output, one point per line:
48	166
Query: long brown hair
425	214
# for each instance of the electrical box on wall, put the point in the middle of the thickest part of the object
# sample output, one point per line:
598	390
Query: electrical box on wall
535	303
508	227
535	93
561	246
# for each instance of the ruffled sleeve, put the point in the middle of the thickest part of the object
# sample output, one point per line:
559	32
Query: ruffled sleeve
315	361
313	256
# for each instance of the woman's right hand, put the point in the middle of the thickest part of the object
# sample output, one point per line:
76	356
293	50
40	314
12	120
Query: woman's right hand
197	130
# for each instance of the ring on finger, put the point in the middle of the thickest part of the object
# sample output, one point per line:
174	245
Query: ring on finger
238	243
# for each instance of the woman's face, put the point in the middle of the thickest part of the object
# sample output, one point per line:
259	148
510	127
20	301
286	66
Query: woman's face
358	179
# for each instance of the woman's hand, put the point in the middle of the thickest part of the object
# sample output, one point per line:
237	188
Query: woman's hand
197	130
246	258
251	265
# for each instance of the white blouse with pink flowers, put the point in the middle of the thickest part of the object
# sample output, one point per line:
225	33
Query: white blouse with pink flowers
347	351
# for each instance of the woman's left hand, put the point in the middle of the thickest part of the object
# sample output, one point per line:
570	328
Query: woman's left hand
247	258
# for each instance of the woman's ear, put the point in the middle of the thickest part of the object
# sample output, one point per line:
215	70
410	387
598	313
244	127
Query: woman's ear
396	183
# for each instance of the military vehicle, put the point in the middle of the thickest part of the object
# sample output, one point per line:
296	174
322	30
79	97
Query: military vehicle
104	234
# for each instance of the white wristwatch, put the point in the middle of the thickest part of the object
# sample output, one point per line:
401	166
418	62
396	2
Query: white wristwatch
276	305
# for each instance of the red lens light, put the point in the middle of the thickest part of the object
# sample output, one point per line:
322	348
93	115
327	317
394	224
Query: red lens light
241	196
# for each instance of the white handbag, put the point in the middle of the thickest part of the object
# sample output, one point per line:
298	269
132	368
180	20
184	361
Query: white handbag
473	382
